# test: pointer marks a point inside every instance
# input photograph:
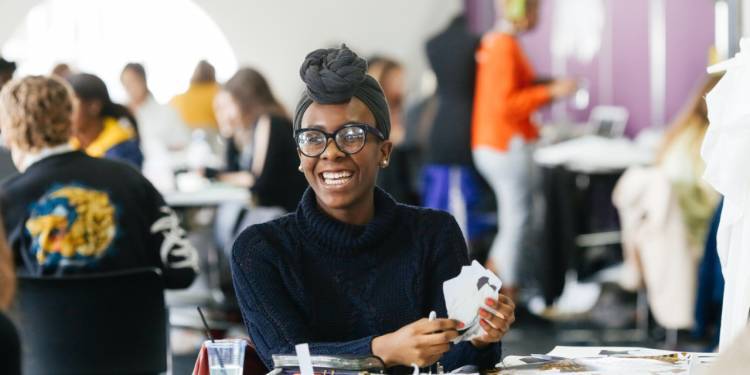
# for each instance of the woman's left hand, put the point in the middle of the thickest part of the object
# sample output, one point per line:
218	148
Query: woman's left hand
495	325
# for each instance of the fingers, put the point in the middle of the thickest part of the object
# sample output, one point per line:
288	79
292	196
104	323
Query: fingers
439	338
438	325
507	309
496	323
437	350
494	320
427	354
492	334
505	300
503	307
427	360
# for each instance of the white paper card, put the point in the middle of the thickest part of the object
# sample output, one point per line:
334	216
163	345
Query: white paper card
465	295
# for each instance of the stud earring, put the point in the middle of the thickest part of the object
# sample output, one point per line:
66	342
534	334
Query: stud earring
383	163
300	168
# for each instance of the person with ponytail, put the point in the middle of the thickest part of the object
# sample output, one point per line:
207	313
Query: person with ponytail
101	127
353	272
507	93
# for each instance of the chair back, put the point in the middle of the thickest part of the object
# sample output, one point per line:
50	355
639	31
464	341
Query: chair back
113	323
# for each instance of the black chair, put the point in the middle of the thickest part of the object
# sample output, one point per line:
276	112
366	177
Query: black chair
113	323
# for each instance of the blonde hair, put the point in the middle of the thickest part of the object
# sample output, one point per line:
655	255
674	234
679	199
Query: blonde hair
694	114
35	113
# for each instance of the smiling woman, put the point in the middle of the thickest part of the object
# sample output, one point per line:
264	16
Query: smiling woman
343	175
346	272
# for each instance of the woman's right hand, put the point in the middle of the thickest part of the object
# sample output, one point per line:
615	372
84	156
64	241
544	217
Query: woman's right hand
421	343
561	88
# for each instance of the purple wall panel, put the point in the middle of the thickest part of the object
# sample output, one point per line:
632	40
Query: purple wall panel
536	42
630	61
481	14
690	34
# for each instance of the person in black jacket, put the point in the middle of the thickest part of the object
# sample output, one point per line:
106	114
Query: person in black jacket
260	147
67	212
448	161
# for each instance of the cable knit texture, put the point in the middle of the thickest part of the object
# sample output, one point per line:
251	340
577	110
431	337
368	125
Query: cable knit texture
307	278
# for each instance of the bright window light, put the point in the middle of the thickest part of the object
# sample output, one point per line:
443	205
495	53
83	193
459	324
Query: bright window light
168	36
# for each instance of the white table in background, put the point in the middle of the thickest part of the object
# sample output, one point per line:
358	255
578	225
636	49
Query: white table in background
209	196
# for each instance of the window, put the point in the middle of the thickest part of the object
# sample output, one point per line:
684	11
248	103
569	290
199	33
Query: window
168	36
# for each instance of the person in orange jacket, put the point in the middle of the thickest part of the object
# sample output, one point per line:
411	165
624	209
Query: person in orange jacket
506	95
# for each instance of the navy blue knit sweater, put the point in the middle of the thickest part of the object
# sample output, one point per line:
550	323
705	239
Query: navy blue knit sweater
307	278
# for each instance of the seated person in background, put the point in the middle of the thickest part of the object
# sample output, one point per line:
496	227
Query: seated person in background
390	75
102	128
352	271
161	131
70	213
195	104
679	157
399	179
260	149
10	348
157	123
61	70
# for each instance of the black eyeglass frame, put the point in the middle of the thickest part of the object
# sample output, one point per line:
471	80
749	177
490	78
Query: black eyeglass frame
328	136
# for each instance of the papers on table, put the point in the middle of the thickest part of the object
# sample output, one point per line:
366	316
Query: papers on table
466	293
605	360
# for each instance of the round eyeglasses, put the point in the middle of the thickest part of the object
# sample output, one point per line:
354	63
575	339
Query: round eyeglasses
349	139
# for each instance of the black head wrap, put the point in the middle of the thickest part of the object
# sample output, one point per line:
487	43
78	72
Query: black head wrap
335	76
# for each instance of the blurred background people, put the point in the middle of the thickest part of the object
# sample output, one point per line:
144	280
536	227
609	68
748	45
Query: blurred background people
160	128
390	74
506	95
259	143
7	68
101	127
70	213
61	70
679	156
665	211
196	104
399	178
157	123
449	180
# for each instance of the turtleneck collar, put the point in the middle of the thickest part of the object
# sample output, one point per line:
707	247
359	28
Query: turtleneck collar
341	238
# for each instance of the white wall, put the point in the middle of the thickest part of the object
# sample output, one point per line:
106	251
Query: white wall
275	35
